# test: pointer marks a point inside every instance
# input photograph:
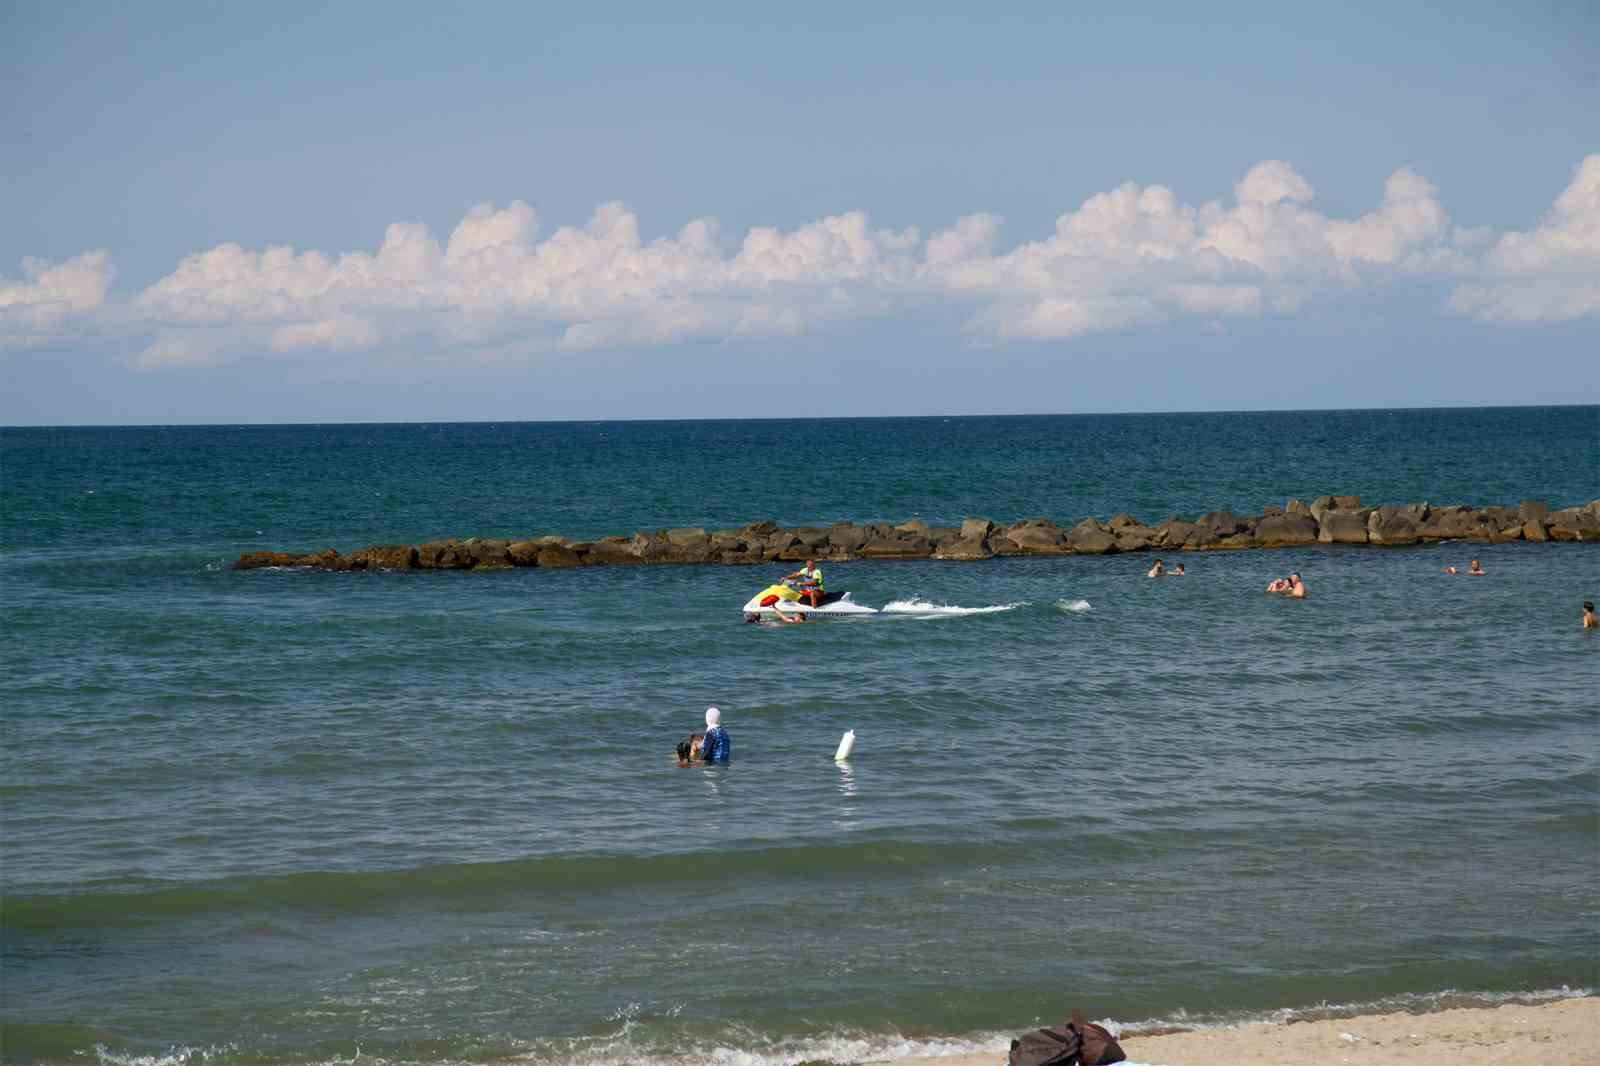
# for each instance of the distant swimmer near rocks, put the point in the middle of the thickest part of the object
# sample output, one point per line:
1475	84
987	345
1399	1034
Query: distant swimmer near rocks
1290	586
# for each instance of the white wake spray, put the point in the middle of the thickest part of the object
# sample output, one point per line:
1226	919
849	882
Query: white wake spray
929	609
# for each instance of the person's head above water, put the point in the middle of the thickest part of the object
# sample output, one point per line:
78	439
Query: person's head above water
713	718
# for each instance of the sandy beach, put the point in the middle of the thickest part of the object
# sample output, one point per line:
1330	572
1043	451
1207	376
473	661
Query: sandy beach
1564	1033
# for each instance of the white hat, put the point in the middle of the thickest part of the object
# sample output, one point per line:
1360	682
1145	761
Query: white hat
713	718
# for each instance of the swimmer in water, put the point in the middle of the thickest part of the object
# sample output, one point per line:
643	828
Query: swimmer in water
1178	571
1158	570
689	750
1475	569
1589	621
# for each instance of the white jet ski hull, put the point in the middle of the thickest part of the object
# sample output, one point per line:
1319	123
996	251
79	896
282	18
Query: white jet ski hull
843	607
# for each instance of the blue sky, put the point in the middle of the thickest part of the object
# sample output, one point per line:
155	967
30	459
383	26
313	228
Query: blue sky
398	212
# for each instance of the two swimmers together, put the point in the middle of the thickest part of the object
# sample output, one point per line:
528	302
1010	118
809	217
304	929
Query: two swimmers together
712	746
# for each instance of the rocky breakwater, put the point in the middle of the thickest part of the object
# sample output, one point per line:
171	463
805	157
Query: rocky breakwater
1328	520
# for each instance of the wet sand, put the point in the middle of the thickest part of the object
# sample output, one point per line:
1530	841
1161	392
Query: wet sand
1563	1033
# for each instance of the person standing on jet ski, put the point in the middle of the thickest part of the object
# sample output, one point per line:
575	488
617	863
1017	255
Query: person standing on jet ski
810	582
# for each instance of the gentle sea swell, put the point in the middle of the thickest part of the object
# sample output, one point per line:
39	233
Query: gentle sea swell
287	817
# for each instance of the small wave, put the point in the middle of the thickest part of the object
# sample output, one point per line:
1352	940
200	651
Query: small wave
1075	606
175	1056
944	610
362	892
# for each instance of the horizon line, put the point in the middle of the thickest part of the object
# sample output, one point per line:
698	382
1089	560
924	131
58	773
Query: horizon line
792	418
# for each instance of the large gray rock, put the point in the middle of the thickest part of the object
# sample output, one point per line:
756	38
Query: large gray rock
1091	538
788	547
1037	536
812	537
846	537
734	541
976	529
661	547
1222	523
444	555
1342	527
556	553
1391	526
262	560
1533	514
1502	523
897	546
612	551
487	554
1189	536
1454	523
1286	530
384	557
1574	523
688	537
523	552
963	548
1133	538
326	559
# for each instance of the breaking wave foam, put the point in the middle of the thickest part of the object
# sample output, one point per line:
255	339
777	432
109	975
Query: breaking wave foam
1075	606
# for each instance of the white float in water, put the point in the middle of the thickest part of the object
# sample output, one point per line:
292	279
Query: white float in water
847	744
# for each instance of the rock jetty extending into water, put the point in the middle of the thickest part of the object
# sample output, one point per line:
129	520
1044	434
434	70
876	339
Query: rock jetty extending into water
1329	520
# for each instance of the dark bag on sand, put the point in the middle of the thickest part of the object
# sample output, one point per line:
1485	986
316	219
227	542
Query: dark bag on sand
1078	1043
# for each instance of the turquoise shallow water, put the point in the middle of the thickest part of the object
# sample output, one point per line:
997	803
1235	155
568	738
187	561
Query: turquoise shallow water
280	817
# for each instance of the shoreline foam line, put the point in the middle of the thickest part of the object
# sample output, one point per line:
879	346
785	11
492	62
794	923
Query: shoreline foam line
1565	1032
1328	520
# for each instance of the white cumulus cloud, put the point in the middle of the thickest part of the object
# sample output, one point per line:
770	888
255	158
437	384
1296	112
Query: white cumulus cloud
1550	273
1129	257
52	299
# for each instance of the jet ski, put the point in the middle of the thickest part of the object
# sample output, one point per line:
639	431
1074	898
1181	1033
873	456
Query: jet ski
786	599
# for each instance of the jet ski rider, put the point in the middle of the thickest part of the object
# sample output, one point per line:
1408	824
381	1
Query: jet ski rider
809	582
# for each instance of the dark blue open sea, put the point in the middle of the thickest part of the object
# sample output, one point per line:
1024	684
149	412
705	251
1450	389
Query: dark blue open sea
281	817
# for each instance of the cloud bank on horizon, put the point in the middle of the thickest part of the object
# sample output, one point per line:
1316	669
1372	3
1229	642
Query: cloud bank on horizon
1127	258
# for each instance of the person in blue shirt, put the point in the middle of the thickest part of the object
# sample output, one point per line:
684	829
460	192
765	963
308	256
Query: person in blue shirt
717	745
